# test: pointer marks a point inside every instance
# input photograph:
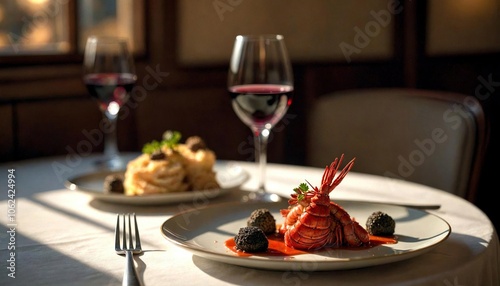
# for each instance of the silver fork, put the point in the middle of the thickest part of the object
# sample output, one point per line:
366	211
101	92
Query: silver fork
125	246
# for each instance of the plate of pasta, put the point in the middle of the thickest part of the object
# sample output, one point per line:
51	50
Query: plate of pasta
228	175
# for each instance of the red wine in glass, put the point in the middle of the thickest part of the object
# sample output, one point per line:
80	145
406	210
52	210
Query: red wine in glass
260	104
110	87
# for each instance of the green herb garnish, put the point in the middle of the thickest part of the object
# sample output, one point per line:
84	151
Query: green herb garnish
170	140
301	191
151	147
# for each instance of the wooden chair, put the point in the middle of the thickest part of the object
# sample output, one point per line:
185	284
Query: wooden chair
430	137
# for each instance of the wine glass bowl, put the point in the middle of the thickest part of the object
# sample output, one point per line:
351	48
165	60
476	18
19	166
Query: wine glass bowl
260	106
260	84
109	75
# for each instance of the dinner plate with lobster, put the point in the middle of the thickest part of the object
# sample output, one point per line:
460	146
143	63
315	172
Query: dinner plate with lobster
206	231
312	233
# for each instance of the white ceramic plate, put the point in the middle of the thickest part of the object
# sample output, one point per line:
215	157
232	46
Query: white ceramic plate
229	176
204	232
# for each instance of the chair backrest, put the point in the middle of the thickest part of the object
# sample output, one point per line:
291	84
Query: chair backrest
429	137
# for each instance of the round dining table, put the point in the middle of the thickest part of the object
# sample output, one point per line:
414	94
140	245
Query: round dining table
53	234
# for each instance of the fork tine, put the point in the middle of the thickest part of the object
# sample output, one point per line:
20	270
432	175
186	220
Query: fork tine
137	236
124	233
130	244
117	233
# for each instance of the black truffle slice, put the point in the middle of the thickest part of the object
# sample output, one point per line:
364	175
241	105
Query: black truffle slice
195	143
158	155
251	239
381	224
114	184
263	219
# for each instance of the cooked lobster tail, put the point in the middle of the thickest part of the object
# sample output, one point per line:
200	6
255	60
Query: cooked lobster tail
312	221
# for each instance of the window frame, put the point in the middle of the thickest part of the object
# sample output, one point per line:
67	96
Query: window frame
37	59
73	56
28	78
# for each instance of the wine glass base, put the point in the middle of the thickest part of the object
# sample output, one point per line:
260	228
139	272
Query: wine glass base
262	197
111	163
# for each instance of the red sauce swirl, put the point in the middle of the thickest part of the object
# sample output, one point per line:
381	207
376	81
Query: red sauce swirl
277	246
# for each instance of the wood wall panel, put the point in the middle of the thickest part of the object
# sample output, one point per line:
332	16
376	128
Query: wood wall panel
55	127
463	27
314	31
6	133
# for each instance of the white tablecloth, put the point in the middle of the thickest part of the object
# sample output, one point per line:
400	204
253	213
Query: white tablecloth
65	237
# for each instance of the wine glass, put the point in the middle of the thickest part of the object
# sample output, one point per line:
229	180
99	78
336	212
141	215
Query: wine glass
260	83
109	74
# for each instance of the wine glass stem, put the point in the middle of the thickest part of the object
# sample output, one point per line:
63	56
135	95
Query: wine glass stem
110	141
261	157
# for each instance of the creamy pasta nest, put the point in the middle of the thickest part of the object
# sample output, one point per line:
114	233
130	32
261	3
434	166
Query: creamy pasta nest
182	168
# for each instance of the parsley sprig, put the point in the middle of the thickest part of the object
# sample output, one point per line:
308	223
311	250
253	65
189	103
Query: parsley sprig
301	191
170	140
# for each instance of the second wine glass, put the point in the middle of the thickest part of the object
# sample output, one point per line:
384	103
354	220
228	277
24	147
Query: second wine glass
260	82
109	75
